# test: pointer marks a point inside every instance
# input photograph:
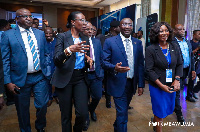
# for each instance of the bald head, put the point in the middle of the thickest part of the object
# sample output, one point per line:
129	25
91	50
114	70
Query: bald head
179	31
19	11
24	18
126	27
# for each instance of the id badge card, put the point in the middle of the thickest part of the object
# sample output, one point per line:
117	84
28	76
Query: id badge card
168	75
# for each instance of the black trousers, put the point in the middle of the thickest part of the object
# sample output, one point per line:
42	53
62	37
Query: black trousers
177	99
190	87
76	90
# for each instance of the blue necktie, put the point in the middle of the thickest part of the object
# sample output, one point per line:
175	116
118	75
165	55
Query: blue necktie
33	51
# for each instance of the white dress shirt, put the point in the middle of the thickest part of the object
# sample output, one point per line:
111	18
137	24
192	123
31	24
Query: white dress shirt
92	47
24	35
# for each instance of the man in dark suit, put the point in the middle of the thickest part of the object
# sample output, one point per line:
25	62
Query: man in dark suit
95	74
26	67
195	42
188	66
1	83
124	61
196	50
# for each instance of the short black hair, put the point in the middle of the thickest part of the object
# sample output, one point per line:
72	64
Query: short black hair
195	31
141	31
3	23
72	16
11	21
114	23
35	19
155	29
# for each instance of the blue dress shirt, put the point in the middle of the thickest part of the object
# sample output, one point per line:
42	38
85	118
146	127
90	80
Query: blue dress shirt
79	64
185	52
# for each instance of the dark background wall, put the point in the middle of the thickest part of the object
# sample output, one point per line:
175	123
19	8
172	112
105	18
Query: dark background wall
56	14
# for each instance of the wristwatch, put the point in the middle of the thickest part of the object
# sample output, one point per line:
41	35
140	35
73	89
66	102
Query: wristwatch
178	79
69	52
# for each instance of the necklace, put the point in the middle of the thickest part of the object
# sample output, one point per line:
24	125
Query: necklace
166	54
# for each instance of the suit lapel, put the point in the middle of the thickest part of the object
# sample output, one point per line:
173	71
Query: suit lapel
19	38
120	44
172	53
134	48
161	55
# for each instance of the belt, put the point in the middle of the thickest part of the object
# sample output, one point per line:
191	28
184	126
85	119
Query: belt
79	70
129	78
91	72
34	72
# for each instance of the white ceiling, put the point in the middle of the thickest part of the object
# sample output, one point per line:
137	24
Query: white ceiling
86	3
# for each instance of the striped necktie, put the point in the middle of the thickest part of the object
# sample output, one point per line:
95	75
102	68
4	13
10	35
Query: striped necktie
130	58
33	51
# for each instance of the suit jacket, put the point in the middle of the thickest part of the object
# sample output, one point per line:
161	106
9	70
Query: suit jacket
114	52
65	64
1	75
191	66
98	53
156	63
15	62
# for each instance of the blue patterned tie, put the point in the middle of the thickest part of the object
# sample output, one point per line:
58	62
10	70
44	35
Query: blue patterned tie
33	51
130	58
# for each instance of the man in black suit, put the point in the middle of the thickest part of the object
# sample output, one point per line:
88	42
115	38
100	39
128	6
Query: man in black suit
188	66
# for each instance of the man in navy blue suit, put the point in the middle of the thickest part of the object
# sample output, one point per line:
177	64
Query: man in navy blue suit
26	67
124	61
95	73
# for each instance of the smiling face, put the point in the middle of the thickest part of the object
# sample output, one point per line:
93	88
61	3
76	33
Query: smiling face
163	34
48	34
126	27
22	20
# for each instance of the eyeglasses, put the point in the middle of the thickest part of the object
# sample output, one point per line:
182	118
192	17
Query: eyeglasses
87	29
82	20
26	16
127	24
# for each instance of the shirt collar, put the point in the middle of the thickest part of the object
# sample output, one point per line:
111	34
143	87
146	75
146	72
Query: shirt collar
179	40
123	38
24	30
